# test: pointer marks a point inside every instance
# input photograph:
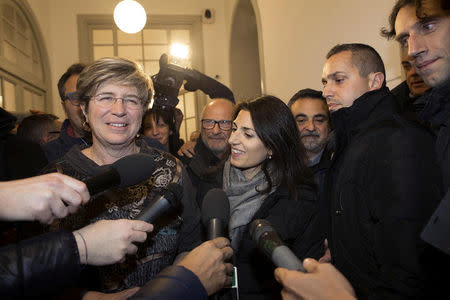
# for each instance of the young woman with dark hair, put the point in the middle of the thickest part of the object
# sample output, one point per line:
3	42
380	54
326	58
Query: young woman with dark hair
266	177
160	124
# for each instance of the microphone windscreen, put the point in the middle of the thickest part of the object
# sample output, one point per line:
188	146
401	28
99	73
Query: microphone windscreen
134	168
215	205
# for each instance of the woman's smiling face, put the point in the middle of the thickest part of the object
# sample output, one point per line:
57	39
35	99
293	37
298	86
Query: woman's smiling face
247	150
118	124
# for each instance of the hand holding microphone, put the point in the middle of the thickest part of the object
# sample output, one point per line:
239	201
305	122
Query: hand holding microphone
41	198
322	281
109	241
127	171
50	196
209	261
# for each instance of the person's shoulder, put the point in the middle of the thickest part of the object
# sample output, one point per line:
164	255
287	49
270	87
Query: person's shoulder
53	144
304	193
307	193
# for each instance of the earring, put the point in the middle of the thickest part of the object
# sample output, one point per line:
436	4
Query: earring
269	157
86	126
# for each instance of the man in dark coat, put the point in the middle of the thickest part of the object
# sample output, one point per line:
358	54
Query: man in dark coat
311	113
383	185
423	30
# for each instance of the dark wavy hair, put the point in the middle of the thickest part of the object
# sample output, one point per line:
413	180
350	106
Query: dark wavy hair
74	69
276	127
421	12
168	117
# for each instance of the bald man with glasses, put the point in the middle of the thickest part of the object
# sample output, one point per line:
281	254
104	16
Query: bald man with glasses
204	160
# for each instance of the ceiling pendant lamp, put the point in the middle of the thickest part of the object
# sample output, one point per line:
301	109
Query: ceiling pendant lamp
130	16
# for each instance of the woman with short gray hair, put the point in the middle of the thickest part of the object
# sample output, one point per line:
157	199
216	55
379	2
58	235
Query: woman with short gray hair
113	94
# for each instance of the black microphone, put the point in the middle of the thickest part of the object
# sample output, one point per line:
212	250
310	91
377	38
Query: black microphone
270	243
170	199
127	171
215	213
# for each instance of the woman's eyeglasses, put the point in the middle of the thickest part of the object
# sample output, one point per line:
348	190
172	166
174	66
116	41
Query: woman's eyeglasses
107	101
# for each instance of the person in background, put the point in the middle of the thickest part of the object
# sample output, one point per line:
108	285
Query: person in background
409	91
19	157
311	113
211	150
159	124
40	128
72	131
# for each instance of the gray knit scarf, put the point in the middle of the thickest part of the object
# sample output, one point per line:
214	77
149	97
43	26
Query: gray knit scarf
244	198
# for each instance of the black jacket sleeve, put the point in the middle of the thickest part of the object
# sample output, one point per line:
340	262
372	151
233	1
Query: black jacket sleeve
213	88
39	266
174	282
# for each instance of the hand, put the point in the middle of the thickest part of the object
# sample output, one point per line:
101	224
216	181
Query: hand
42	198
207	261
187	149
123	295
322	282
108	241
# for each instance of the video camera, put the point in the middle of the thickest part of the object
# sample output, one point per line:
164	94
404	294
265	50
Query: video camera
167	83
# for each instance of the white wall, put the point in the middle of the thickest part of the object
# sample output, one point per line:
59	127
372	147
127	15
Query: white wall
297	34
58	22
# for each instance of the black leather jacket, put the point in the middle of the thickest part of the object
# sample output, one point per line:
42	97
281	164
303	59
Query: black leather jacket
39	266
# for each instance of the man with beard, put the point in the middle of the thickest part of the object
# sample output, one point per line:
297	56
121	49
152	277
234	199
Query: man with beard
311	113
409	91
212	148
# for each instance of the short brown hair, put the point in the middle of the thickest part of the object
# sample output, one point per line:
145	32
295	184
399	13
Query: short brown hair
364	57
115	69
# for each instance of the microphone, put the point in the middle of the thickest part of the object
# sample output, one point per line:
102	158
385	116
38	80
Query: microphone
215	213
270	243
127	171
170	199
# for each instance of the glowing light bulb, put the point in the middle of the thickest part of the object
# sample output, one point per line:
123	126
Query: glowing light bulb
179	51
130	16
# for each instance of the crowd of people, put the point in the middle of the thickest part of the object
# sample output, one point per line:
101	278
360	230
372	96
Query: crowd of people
348	177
